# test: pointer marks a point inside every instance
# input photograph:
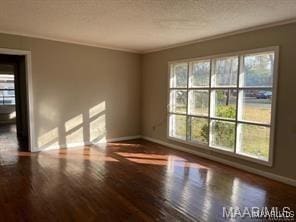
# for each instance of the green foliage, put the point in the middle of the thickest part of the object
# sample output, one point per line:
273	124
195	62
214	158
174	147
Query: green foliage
220	95
226	111
224	132
205	132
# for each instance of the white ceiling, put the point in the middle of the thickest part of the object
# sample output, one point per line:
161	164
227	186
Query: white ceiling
138	25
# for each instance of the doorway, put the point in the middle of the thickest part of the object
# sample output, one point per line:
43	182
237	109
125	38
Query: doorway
14	130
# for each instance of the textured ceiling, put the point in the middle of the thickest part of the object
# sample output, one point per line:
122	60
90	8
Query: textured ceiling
138	25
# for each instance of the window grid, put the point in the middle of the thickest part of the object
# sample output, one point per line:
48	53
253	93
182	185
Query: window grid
214	117
211	89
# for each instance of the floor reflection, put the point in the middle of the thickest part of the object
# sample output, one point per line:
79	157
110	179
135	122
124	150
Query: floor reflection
131	181
8	139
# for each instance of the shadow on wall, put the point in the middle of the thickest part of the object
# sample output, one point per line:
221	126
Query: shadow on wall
86	128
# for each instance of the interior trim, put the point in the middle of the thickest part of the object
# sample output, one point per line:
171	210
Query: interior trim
96	45
29	84
227	34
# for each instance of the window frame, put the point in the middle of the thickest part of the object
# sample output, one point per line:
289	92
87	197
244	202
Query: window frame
239	54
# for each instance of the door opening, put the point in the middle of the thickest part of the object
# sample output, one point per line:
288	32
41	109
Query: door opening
14	127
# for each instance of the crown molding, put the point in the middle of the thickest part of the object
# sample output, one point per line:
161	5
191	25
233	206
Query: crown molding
64	40
98	45
227	34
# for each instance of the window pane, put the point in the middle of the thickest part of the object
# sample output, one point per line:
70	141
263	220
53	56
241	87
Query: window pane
199	102
7	89
5	85
177	126
222	134
253	140
200	76
6	81
199	130
258	70
223	103
8	100
179	76
178	101
255	105
225	71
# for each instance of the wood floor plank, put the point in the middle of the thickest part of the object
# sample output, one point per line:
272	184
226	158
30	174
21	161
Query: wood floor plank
127	181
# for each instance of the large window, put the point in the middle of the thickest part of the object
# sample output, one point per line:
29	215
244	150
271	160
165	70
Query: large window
225	103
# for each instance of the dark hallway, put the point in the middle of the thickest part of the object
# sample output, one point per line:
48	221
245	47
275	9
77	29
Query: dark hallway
8	135
13	103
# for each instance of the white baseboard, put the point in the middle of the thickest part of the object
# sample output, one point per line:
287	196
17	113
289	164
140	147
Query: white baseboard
124	138
272	176
77	145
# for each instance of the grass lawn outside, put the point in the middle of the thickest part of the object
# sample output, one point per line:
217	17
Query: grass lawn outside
253	140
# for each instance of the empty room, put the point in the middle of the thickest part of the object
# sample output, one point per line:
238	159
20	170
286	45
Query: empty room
147	110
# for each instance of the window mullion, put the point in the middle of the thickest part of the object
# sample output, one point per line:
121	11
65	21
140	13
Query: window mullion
188	122
209	104
238	101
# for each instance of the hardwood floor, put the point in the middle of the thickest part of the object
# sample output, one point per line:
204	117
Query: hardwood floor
129	181
8	140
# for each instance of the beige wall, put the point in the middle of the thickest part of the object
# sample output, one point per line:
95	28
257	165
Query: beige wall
81	93
85	94
155	83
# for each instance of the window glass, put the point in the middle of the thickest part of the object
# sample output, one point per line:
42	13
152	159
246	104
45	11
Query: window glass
179	76
222	134
178	101
255	106
200	76
225	72
258	70
199	102
199	130
227	104
254	140
178	126
224	103
7	93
